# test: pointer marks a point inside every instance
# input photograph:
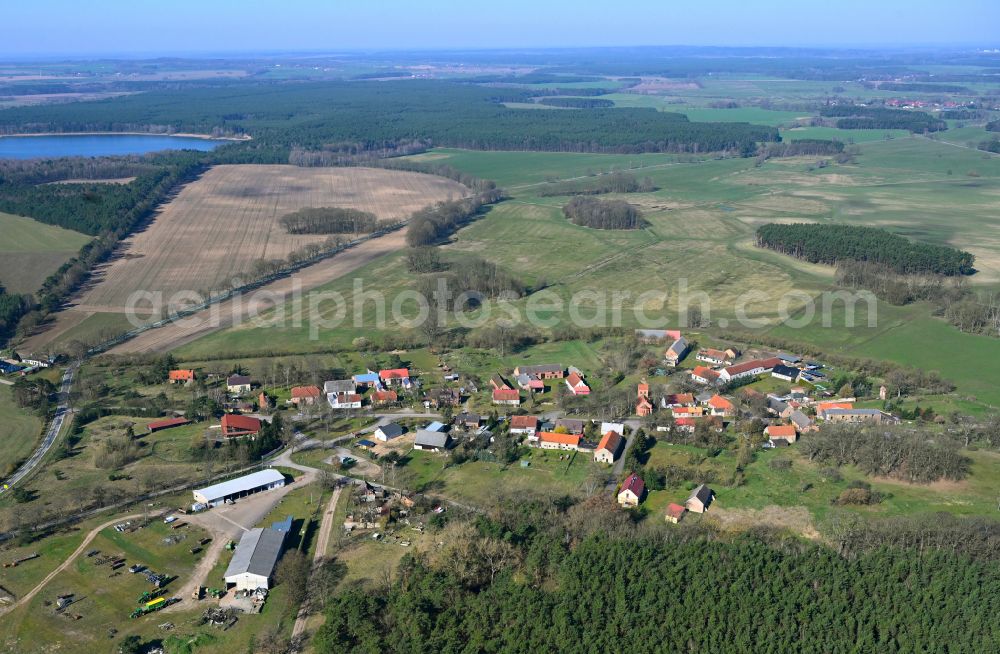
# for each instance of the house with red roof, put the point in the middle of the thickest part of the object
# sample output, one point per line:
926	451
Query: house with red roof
704	375
632	491
676	400
396	376
180	376
576	384
675	512
783	432
305	395
749	369
610	448
714	357
527	425
234	426
551	440
720	406
823	407
507	396
384	397
344	400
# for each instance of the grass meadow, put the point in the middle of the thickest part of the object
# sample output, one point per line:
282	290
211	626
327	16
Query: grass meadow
30	251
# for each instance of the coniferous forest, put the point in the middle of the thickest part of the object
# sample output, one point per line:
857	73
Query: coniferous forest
826	243
530	581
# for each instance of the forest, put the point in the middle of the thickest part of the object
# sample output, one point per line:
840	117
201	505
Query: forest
856	117
831	243
545	576
376	114
577	103
602	214
12	307
329	220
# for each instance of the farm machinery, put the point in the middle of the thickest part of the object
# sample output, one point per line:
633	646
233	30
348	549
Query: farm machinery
153	606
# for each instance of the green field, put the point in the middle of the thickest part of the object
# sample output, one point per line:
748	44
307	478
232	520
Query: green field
30	251
21	431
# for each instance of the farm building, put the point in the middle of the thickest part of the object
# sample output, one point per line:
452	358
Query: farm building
180	376
388	432
610	448
166	423
367	379
399	376
234	426
714	357
749	369
576	384
675	512
786	433
550	440
344	400
524	425
700	499
431	441
572	425
785	373
305	395
676	352
676	400
384	397
240	487
339	387
704	375
238	384
544	371
857	415
506	396
255	559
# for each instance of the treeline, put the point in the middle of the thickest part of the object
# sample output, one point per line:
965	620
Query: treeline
432	224
12	307
577	103
378	115
880	450
329	220
832	243
599	185
602	214
44	171
442	170
587	580
856	117
923	87
993	126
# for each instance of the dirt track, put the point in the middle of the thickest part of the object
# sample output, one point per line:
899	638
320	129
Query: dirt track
65	564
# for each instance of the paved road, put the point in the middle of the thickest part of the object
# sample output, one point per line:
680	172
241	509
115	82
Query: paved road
51	434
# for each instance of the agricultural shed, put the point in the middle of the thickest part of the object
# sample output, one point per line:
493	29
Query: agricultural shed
240	487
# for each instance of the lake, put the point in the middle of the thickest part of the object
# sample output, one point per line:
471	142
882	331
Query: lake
97	145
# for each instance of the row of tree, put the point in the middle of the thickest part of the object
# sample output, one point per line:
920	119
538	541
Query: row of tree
432	224
831	243
602	214
576	103
618	182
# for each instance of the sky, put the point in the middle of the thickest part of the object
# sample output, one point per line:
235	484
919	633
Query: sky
93	27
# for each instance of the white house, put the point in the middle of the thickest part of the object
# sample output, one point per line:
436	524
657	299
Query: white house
388	432
344	400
